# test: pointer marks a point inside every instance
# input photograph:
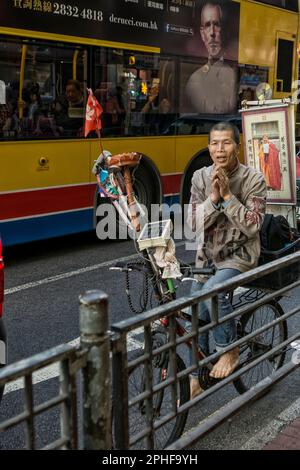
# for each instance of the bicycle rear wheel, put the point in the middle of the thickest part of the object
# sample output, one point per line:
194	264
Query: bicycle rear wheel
162	401
260	344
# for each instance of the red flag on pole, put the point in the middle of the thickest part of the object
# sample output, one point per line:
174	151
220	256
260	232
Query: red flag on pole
92	115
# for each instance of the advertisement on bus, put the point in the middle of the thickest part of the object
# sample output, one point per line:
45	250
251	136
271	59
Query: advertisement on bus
170	25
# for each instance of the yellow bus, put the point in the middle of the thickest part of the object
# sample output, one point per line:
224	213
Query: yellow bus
164	71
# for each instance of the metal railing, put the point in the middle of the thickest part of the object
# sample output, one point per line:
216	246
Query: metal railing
66	356
92	358
122	366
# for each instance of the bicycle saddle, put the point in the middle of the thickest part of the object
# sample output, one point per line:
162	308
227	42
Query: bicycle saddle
130	159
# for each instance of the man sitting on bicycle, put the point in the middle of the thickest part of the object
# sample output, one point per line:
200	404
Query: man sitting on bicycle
227	206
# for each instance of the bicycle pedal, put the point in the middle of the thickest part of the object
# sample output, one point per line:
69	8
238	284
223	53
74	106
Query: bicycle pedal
205	380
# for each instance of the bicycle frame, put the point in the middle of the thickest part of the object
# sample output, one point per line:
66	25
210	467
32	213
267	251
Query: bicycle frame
179	329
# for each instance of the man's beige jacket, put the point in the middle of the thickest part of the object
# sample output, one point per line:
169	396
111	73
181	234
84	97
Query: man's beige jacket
228	233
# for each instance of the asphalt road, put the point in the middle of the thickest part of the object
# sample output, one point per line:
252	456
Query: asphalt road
43	282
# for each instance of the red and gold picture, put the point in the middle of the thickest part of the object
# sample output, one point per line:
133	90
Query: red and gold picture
268	148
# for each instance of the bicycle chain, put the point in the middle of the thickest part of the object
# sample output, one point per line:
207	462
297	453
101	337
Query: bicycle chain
145	290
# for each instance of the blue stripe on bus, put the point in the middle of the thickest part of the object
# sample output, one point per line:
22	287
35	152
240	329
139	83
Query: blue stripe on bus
39	228
174	199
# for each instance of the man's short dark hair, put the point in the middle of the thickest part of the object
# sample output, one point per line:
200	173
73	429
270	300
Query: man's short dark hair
226	126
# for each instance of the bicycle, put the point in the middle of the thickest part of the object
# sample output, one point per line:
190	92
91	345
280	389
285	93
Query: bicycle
250	351
165	291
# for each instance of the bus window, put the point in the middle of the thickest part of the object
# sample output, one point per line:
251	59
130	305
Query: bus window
207	88
47	98
136	92
286	4
250	76
285	58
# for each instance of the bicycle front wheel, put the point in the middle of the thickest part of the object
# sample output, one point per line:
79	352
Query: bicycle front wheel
261	344
162	401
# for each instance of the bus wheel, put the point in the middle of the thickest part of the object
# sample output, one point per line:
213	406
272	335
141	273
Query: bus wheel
198	162
147	190
146	187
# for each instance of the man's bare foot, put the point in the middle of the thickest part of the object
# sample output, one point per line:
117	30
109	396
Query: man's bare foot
226	364
195	388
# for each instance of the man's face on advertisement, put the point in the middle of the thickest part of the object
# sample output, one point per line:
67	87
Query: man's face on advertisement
210	29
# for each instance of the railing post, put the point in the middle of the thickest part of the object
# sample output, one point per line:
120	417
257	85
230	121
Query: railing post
96	401
120	396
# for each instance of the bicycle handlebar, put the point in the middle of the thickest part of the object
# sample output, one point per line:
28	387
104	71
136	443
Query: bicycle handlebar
204	271
123	267
120	267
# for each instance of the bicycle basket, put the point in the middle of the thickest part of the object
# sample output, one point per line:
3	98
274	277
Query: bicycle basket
282	277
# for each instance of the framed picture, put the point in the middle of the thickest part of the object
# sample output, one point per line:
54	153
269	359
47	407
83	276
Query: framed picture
269	147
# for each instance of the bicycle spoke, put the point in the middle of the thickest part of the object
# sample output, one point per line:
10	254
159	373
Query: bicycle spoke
260	344
162	405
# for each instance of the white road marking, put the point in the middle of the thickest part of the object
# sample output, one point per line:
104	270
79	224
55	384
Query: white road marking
2	352
52	371
67	275
270	431
240	290
77	272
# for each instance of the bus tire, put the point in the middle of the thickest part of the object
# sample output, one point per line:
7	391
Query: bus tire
147	189
200	161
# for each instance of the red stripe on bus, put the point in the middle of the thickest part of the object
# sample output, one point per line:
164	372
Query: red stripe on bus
29	203
44	201
171	183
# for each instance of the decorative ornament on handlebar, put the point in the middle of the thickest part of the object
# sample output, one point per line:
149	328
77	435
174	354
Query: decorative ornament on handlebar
113	171
115	182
